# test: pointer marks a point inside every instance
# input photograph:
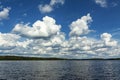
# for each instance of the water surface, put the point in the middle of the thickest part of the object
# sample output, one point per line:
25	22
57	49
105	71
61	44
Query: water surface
60	70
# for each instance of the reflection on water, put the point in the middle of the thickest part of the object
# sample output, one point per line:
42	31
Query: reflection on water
60	70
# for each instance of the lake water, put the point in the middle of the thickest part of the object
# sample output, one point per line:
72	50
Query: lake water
60	70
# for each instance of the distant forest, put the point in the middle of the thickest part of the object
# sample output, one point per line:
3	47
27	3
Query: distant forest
51	58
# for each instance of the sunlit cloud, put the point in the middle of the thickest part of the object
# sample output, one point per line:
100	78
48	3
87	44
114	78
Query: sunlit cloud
50	7
45	38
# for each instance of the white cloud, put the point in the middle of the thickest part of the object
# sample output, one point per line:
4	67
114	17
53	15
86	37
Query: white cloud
40	29
106	3
107	39
50	7
4	13
45	8
102	3
80	26
44	38
54	2
8	41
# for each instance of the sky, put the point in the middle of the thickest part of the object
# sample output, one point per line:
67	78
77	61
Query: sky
60	28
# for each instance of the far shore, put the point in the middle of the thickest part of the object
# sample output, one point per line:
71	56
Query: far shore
48	58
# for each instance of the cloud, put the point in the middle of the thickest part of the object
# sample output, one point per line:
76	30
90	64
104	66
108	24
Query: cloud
44	38
80	26
91	47
40	29
45	8
107	39
102	3
8	41
106	3
4	13
116	33
50	7
54	2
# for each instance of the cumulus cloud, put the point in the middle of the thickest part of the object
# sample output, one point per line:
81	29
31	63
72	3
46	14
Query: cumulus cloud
40	29
106	37
50	7
4	13
8	41
80	26
102	3
45	39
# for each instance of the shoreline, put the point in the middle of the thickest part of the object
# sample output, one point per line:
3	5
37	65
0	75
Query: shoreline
20	58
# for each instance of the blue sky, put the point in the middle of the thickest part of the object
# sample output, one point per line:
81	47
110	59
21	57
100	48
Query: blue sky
100	25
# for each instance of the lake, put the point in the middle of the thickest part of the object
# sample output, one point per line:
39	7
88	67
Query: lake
60	70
